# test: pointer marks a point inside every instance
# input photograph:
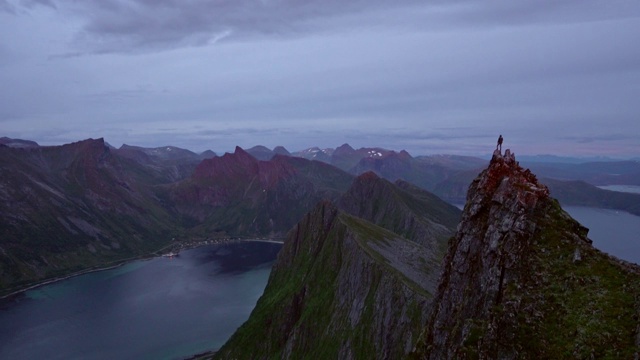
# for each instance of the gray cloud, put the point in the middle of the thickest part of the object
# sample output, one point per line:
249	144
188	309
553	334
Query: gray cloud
617	137
144	25
32	3
6	7
117	26
426	76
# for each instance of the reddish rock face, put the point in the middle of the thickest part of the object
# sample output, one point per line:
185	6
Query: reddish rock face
240	166
241	194
505	178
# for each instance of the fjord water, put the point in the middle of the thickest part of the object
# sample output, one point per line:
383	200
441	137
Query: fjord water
612	231
162	308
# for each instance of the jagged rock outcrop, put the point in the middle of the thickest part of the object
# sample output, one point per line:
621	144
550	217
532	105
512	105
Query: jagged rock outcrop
521	280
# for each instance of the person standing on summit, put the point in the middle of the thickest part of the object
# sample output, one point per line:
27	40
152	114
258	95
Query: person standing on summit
499	146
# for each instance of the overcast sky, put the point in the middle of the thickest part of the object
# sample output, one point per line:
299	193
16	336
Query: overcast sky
552	76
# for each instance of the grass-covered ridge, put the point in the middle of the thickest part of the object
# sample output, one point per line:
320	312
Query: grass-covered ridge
583	303
333	293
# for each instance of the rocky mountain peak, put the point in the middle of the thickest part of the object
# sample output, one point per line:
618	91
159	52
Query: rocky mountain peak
87	153
522	280
505	182
367	177
242	154
344	149
281	150
405	155
228	166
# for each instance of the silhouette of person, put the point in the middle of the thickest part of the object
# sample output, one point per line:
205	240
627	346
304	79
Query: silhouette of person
499	146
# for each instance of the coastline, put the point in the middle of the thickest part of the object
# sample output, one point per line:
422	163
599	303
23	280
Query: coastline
64	277
174	247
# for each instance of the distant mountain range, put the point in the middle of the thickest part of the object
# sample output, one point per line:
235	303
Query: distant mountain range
449	176
70	207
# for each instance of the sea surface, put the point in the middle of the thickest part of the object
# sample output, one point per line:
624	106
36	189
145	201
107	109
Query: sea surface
162	308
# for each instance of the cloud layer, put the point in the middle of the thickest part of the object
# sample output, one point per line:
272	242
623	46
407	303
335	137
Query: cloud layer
428	76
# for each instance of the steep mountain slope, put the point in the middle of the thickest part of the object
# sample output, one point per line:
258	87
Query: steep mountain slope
402	208
238	195
71	207
343	287
522	280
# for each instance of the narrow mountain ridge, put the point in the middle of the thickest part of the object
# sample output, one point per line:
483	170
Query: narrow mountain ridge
342	288
352	281
521	280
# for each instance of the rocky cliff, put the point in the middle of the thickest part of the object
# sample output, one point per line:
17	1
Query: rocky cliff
346	288
522	280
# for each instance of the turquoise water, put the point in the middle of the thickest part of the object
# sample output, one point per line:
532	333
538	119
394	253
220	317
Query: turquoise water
160	308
